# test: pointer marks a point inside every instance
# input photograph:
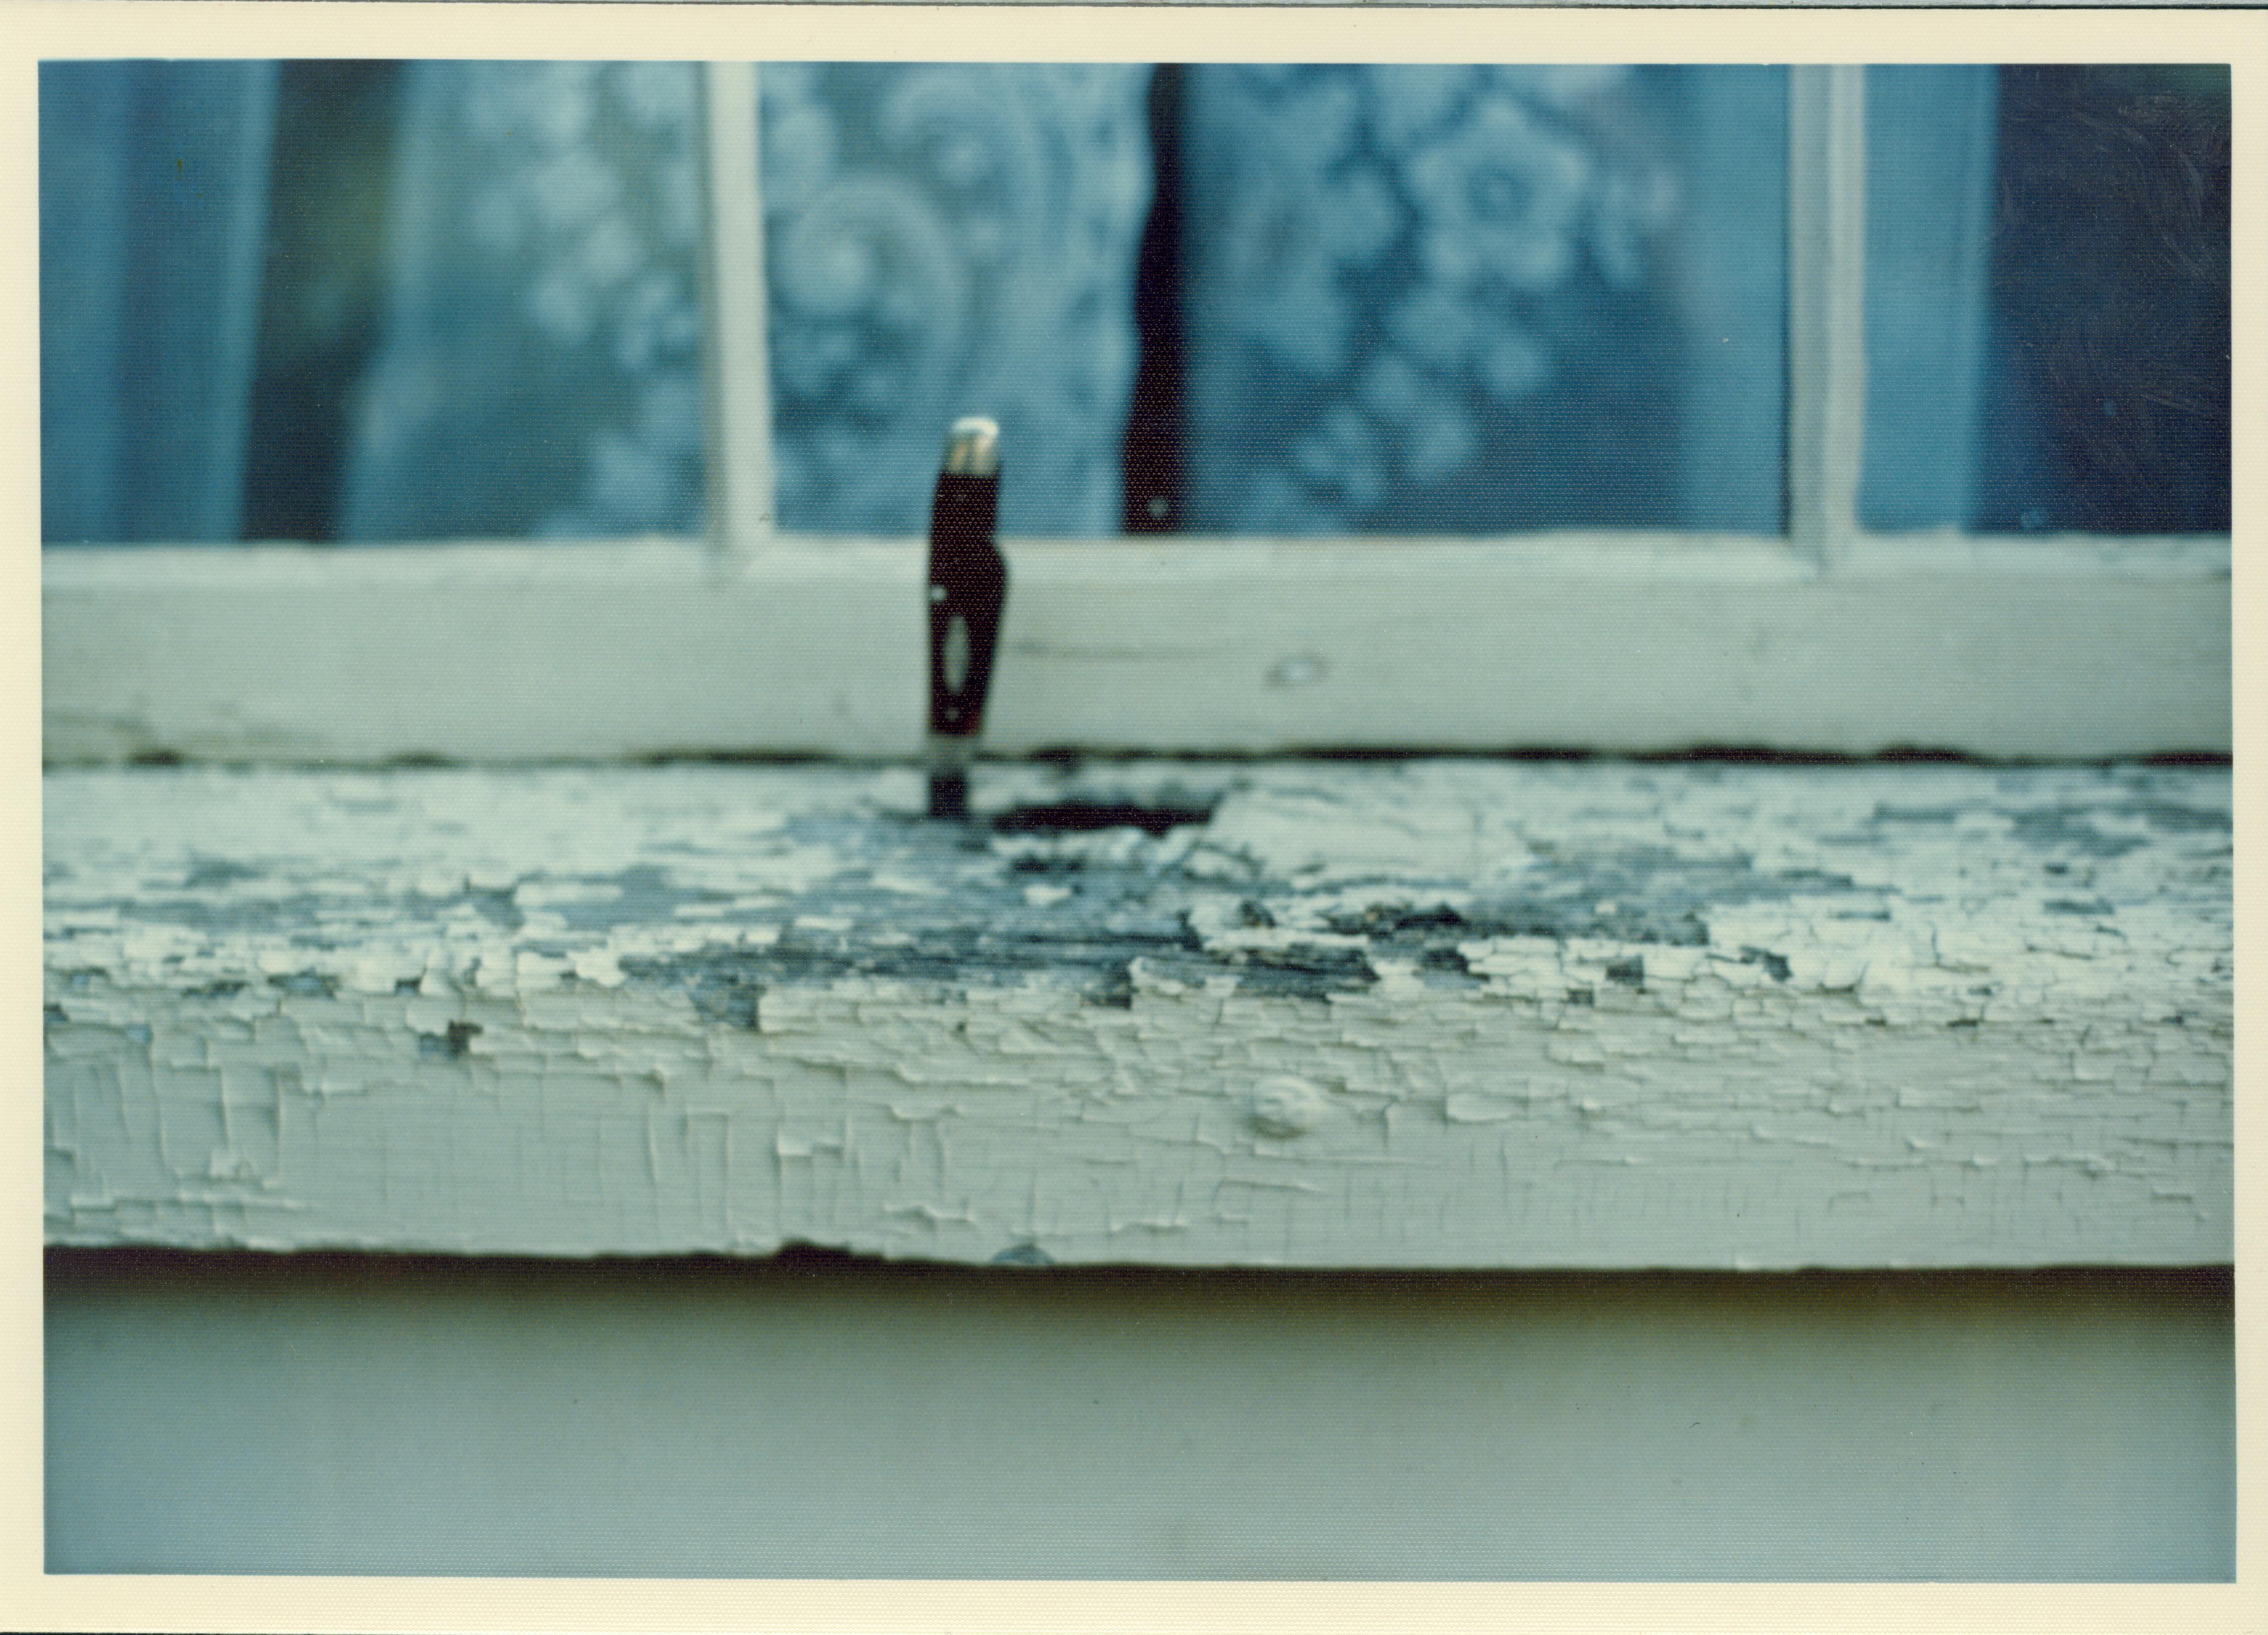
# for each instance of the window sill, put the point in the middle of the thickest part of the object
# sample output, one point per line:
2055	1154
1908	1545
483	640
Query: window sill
1624	643
1448	1013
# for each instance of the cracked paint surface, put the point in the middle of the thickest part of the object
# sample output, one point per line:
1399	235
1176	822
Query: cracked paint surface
1435	1013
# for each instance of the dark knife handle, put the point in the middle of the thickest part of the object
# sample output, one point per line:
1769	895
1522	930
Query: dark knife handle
968	588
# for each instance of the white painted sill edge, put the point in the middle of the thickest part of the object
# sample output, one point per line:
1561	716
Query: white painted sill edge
1622	644
1447	1013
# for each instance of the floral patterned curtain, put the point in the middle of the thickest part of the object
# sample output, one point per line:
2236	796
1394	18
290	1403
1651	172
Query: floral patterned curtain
1433	298
1479	299
950	240
942	240
1408	298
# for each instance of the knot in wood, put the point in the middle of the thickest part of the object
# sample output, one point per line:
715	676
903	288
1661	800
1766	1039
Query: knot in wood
1285	1106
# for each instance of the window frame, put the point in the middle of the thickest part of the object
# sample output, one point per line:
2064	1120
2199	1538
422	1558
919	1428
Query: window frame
756	641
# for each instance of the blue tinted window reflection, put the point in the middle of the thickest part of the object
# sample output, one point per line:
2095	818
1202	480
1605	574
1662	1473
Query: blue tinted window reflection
371	301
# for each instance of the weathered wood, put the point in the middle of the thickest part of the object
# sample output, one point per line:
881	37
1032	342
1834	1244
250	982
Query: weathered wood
1427	1013
1616	643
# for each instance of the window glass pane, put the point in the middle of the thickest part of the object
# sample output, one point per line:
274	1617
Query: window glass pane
946	240
1478	298
476	289
540	370
941	240
2048	323
372	300
154	204
326	294
1930	185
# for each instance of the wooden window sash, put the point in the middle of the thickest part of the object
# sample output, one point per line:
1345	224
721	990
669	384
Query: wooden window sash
752	641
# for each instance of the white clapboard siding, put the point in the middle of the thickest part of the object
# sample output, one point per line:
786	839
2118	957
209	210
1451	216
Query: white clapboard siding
530	652
1451	1013
817	1418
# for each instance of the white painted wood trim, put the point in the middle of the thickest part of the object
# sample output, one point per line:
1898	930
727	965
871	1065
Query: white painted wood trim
1433	1013
737	362
2091	649
1827	307
807	1420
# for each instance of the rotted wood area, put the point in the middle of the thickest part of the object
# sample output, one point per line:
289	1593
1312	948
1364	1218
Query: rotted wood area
1440	1012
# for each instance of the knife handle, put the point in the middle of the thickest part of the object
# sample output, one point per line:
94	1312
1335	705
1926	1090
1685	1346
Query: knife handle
968	587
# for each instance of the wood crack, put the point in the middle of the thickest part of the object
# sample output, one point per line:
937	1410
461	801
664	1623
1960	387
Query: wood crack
1465	1013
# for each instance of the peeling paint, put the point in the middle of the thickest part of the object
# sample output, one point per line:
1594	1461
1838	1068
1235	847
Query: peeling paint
1423	1013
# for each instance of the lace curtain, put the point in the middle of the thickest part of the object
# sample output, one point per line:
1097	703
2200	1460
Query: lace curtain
1489	297
1462	298
540	372
1410	299
942	241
